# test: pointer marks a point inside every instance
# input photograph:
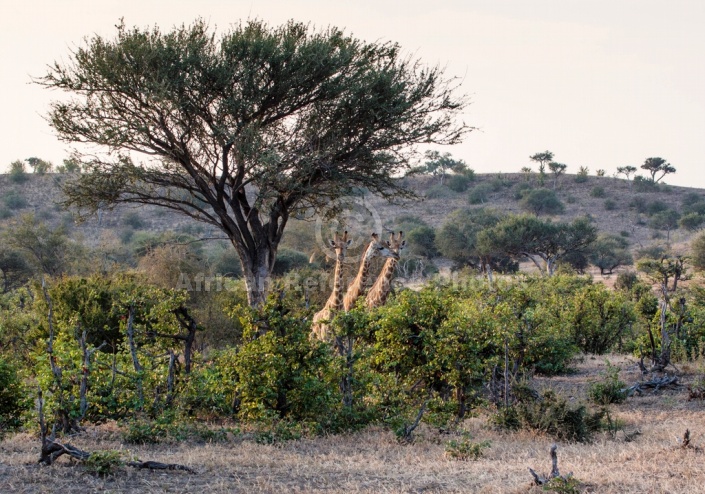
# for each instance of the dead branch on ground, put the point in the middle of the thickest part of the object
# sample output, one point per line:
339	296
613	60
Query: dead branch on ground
654	384
555	473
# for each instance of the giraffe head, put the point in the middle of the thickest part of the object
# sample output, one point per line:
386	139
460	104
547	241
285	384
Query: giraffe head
340	244
379	248
396	243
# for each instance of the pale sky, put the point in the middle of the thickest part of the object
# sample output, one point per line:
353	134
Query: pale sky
601	83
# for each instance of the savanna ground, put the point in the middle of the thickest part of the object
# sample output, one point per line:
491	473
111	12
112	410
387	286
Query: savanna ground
373	461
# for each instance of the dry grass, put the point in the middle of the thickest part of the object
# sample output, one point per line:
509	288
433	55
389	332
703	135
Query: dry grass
372	461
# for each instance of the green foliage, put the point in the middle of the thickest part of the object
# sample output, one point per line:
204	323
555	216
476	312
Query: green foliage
465	449
598	191
542	201
563	485
18	172
438	191
555	416
609	252
421	241
289	259
610	390
610	205
642	184
582	175
39	166
282	373
13	398
480	193
691	221
521	189
598	318
14	200
657	166
459	183
171	427
133	219
105	462
697	252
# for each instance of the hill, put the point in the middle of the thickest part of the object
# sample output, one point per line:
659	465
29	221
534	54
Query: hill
617	207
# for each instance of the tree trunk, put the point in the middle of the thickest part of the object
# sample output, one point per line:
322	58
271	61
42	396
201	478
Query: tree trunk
257	270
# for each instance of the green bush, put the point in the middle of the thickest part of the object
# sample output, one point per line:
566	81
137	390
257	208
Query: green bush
480	193
555	416
133	219
458	183
542	201
641	184
5	213
439	191
465	449
421	241
14	200
610	389
104	462
691	221
18	172
610	205
582	175
521	189
598	191
13	400
289	259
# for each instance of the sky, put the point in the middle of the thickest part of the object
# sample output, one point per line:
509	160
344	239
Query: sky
600	83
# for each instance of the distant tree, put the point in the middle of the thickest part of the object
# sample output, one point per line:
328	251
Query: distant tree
627	171
457	240
245	130
657	166
544	242
542	201
18	171
697	252
526	171
48	250
691	221
542	159
557	169
665	220
421	241
71	165
608	252
14	270
440	165
582	175
39	166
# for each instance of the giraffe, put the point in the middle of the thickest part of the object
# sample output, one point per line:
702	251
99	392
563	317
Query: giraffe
359	284
377	295
319	328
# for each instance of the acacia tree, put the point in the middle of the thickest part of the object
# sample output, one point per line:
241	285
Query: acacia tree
243	130
544	242
657	165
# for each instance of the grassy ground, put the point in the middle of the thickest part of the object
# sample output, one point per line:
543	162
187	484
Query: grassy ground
372	461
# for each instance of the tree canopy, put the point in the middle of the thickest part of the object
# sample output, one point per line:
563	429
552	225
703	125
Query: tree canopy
657	166
244	129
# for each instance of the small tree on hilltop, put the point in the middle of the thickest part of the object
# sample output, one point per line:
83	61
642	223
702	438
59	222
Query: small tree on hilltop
557	169
439	165
542	159
627	172
39	165
244	130
657	166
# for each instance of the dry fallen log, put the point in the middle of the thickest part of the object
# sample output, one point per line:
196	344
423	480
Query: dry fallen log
654	385
155	465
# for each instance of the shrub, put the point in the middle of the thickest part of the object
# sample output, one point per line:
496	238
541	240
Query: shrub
691	221
610	389
697	252
439	191
610	205
582	175
459	183
480	193
598	191
12	396
542	201
5	213
132	219
600	172
465	449
641	184
422	241
18	172
553	415
14	200
521	189
655	207
104	462
288	259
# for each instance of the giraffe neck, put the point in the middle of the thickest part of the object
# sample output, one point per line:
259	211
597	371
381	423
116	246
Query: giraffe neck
358	285
335	301
383	285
